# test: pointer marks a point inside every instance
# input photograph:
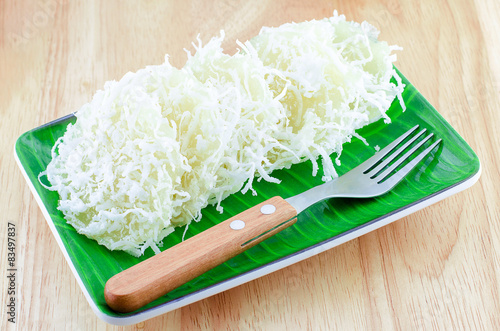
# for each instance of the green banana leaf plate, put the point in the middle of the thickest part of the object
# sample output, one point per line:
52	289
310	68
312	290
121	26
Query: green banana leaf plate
449	169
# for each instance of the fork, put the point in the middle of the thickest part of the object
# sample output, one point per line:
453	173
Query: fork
141	284
373	177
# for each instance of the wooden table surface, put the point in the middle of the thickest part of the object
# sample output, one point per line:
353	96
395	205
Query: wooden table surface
436	269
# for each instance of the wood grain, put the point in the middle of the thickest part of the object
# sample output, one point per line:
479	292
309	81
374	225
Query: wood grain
436	269
144	282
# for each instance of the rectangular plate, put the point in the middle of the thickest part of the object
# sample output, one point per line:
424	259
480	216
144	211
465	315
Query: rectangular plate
451	168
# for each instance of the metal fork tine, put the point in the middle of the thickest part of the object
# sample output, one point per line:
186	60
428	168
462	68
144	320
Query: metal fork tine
386	150
398	176
403	158
396	153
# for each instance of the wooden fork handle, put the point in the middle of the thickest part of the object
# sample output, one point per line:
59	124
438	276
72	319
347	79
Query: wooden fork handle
141	284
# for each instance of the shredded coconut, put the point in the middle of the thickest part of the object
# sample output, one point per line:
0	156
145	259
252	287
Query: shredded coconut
149	152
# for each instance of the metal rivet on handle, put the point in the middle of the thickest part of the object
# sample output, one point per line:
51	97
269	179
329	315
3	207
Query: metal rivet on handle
267	209
237	225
